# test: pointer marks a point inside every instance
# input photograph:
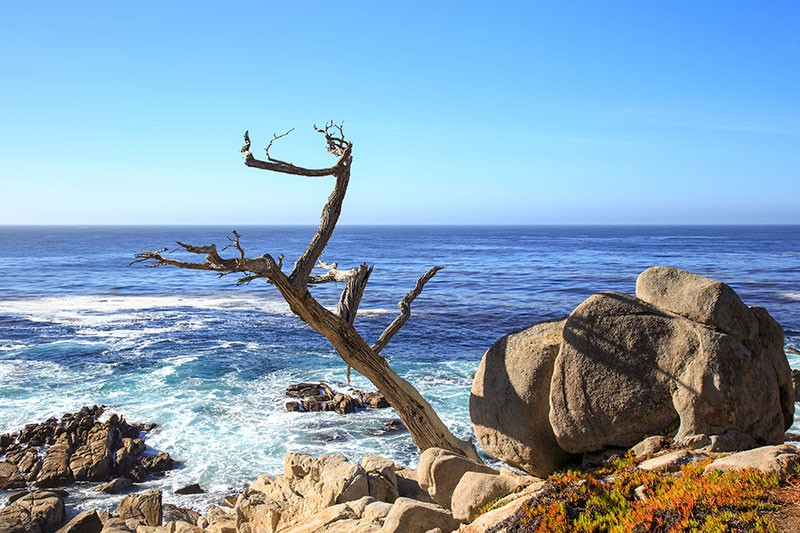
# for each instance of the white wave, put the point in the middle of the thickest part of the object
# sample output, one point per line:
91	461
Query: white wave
106	311
793	296
366	313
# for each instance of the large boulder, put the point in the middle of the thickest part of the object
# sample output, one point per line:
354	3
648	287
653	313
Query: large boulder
39	511
685	353
510	400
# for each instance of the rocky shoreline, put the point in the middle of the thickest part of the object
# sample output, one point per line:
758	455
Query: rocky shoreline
628	397
329	494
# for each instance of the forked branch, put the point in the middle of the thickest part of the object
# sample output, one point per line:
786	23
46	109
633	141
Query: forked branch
405	311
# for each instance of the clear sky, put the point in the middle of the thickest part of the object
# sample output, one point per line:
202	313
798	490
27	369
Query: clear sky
460	112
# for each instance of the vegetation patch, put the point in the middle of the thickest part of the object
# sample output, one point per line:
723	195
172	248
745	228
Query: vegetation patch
621	498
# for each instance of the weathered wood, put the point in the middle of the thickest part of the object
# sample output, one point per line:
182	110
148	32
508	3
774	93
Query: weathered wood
426	428
405	311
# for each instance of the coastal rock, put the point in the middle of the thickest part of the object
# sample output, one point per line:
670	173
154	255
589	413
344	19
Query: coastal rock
650	445
439	471
115	486
55	471
670	462
476	490
144	508
173	513
84	522
93	460
510	400
411	516
194	488
158	463
381	478
408	486
37	511
10	476
768	459
700	299
627	369
26	459
321	396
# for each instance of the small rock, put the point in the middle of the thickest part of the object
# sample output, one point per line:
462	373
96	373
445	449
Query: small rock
173	513
768	459
194	488
477	489
407	516
650	445
85	522
640	493
158	463
144	507
670	462
10	477
115	486
439	471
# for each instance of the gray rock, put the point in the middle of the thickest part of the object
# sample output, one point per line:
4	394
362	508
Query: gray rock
627	369
670	462
769	459
194	488
697	298
510	400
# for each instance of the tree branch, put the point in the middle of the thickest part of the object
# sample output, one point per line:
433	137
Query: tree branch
264	266
405	311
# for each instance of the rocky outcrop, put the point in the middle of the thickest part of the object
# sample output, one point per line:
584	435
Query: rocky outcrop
77	447
684	353
320	396
510	400
38	511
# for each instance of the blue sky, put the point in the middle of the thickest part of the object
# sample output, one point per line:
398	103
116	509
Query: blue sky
460	112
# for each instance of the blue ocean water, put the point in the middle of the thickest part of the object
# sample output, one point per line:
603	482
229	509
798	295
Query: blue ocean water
209	361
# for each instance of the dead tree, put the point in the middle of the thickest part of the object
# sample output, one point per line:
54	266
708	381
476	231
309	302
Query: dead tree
426	428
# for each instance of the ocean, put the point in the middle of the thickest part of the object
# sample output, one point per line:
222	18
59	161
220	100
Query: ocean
209	361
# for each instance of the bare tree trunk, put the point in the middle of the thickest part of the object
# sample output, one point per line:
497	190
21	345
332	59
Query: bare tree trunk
426	428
